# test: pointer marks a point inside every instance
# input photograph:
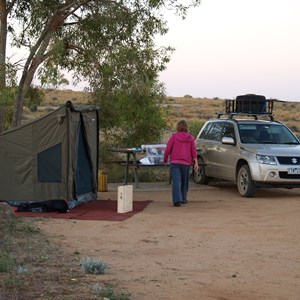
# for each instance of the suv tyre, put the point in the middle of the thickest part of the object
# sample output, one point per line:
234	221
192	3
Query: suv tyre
245	184
200	176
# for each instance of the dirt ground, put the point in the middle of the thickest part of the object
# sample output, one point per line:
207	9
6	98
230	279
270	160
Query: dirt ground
218	246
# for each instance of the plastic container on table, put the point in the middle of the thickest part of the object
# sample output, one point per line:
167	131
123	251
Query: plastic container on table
155	153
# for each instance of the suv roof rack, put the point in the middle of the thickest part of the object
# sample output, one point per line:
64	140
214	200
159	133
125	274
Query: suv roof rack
255	116
250	105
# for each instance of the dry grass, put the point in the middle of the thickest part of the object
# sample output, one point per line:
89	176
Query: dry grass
203	109
199	109
58	97
38	268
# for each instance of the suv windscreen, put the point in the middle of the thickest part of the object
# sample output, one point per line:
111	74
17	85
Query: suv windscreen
266	134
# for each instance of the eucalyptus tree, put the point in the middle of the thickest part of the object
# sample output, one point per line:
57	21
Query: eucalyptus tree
108	43
5	8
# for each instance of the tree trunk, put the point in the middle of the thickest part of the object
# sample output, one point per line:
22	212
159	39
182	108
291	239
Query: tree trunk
35	59
31	65
23	87
17	118
2	115
3	37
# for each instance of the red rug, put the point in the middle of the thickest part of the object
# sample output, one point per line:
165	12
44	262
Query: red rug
99	210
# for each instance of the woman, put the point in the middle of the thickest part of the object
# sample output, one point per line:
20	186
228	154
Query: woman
182	150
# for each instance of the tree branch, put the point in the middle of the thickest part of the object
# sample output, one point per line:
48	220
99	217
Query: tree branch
10	7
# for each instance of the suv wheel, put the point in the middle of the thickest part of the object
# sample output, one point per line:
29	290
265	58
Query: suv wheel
245	184
200	176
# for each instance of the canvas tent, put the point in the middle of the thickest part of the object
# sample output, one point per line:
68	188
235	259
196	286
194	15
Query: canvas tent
53	157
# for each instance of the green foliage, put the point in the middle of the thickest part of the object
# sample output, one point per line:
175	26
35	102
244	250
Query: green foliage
14	225
131	120
130	99
110	293
153	175
34	97
7	96
195	126
7	263
51	75
110	44
14	283
9	225
93	266
11	74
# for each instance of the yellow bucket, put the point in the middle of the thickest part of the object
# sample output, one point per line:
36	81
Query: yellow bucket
102	181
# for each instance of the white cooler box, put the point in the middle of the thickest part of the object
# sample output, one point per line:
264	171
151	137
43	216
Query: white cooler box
155	153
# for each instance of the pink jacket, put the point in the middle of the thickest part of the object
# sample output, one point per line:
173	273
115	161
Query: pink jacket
181	148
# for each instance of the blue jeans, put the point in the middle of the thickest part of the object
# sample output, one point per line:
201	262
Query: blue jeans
180	182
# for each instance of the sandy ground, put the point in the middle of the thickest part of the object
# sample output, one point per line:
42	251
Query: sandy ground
218	246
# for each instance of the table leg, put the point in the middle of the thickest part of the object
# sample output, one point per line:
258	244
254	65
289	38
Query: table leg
136	180
127	167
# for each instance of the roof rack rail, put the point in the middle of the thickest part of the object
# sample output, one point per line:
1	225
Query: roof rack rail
231	115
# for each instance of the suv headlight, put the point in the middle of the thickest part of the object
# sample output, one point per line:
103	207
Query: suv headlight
266	159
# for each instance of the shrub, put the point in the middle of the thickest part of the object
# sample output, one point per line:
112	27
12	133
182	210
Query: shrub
7	263
93	266
109	293
33	107
195	126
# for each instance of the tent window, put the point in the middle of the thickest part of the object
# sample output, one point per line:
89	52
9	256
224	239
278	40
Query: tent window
49	165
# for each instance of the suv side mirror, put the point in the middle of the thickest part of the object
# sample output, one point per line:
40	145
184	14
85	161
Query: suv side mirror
228	140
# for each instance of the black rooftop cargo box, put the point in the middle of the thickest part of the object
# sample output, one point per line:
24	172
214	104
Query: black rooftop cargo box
251	103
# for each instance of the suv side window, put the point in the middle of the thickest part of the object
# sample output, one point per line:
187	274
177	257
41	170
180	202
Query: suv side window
205	131
215	131
228	130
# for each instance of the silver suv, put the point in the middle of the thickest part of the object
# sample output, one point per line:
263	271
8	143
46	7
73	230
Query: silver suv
250	152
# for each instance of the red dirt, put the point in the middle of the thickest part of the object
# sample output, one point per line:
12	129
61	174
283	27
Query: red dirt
218	246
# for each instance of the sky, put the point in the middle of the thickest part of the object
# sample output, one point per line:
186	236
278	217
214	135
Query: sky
226	48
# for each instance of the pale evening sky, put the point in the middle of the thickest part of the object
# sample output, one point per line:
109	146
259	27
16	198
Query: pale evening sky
229	47
225	48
